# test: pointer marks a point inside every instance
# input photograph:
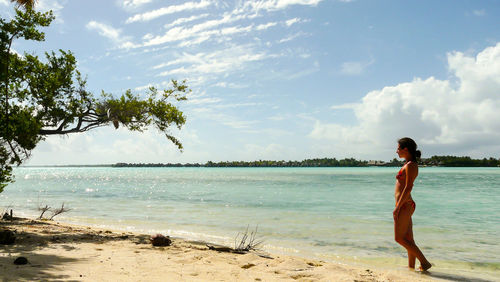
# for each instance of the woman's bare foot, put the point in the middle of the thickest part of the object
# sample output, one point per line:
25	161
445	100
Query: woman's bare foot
425	267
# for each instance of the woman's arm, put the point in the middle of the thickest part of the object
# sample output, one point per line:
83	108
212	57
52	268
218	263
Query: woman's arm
411	174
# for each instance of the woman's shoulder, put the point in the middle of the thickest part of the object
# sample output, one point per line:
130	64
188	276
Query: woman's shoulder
412	166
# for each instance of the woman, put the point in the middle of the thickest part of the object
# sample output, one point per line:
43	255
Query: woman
405	206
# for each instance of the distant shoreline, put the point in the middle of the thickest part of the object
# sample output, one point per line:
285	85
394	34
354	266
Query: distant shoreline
434	161
187	166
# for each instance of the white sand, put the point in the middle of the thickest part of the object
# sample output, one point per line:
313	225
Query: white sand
66	252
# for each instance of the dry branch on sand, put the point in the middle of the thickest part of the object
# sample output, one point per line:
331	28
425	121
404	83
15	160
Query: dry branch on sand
243	243
59	211
55	212
43	210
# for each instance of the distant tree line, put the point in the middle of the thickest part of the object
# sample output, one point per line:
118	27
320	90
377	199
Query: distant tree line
157	165
449	161
324	162
455	161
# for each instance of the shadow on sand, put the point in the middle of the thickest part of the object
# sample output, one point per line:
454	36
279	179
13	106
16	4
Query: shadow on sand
39	268
34	235
453	277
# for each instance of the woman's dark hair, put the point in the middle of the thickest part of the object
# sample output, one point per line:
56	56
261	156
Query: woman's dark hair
407	142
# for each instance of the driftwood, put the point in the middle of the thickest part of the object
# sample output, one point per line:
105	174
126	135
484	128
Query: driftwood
59	211
225	249
55	212
43	210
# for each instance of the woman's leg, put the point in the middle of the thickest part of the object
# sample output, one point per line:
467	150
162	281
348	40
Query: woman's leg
401	228
409	238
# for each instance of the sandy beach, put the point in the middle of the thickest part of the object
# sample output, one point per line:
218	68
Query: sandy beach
57	251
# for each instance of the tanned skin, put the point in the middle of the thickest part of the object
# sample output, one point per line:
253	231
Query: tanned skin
404	209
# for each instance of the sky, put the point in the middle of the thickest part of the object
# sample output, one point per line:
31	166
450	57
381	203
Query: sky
285	79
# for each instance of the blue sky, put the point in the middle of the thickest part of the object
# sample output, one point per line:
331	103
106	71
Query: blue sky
286	79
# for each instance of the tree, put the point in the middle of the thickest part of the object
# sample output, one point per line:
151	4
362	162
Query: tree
40	98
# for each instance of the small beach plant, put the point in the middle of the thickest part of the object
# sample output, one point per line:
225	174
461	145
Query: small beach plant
245	242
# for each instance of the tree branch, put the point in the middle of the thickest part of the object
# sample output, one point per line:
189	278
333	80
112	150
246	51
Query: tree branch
93	125
13	150
7	73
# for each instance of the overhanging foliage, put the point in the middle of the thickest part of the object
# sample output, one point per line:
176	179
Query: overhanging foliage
49	97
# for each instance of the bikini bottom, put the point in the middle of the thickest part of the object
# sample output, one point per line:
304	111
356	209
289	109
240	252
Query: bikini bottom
412	204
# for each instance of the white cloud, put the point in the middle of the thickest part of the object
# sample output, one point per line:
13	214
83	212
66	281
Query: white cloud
355	68
46	5
266	26
208	100
185	20
127	45
221	61
105	30
187	58
198	40
168	10
215	114
290	22
204	31
111	33
224	84
443	116
143	87
235	29
273	5
221	84
479	13
4	2
347	106
201	31
292	37
237	105
107	146
133	4
239	124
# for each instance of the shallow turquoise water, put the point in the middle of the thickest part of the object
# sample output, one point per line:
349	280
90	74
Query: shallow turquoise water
327	213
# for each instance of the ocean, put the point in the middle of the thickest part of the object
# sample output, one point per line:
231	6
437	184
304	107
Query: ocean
333	214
